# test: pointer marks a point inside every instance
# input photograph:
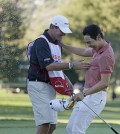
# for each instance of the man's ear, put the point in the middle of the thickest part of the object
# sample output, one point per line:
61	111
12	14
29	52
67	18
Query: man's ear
51	26
98	37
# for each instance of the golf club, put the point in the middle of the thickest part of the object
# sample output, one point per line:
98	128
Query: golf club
101	118
96	114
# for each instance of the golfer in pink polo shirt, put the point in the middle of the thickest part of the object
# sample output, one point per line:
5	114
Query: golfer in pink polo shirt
97	79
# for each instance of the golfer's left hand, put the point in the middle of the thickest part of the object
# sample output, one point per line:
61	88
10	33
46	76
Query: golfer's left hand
78	97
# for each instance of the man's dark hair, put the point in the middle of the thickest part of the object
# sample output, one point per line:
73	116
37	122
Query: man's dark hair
92	30
52	26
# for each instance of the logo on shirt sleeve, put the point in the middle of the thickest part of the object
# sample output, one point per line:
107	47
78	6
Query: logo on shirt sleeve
47	60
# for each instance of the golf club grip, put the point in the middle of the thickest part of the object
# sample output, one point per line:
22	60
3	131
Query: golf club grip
114	131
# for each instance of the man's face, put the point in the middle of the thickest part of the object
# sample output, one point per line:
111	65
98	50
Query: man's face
58	34
90	42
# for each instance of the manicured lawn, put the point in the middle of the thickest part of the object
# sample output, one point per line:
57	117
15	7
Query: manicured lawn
16	116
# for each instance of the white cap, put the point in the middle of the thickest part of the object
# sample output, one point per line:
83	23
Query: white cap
61	22
57	105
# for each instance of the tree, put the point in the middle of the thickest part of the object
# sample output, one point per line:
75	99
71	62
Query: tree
11	32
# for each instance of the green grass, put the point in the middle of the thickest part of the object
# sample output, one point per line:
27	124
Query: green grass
16	116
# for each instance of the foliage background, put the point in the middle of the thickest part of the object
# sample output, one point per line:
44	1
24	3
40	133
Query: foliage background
20	23
23	21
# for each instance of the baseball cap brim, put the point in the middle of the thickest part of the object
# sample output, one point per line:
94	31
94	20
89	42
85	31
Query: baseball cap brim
65	30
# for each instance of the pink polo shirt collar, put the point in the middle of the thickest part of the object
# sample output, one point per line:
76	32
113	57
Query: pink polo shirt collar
103	48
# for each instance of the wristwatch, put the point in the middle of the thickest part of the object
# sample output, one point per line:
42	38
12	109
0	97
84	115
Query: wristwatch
71	65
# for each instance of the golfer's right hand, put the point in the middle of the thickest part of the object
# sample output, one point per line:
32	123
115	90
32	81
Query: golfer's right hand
78	65
60	43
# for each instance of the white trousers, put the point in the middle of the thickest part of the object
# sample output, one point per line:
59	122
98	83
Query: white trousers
82	116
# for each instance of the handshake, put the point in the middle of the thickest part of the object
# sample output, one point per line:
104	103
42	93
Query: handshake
62	104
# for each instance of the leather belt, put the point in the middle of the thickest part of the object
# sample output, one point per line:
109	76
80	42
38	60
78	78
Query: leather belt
39	81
